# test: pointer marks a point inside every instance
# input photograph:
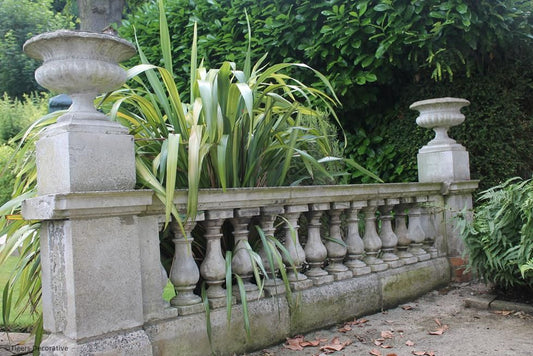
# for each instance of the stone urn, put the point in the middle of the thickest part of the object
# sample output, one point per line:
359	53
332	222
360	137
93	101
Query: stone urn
442	159
73	155
82	65
440	114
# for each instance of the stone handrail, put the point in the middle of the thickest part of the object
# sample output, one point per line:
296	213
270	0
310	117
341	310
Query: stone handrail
410	215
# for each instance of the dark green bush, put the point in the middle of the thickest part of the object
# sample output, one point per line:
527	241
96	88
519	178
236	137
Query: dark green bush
499	241
497	131
353	42
380	57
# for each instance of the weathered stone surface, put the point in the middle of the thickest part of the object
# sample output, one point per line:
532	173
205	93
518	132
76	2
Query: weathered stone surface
125	343
90	276
271	319
81	162
413	281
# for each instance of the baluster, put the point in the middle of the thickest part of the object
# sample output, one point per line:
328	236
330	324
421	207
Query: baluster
354	242
416	232
272	284
294	262
371	238
213	267
428	218
184	273
241	263
402	234
315	251
389	240
335	244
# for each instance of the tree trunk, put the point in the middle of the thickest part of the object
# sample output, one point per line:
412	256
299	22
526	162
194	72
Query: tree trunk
98	15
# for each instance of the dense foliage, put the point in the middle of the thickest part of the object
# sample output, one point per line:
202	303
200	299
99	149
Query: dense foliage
19	21
499	241
497	131
242	126
352	42
15	115
6	177
380	56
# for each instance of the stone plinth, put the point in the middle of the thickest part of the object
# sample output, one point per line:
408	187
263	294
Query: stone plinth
444	160
100	281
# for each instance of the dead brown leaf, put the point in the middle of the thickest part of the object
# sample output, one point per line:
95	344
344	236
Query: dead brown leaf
423	353
315	342
345	328
378	343
409	343
440	330
393	354
504	312
375	352
386	346
407	307
386	334
298	343
335	345
294	343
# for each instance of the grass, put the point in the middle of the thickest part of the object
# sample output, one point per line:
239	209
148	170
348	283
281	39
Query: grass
25	320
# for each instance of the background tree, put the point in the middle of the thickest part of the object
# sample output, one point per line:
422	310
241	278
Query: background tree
97	15
19	21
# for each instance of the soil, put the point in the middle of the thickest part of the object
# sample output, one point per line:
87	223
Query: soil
439	323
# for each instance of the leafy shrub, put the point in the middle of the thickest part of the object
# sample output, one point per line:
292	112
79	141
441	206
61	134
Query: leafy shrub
6	174
17	114
354	43
497	131
385	52
22	19
499	240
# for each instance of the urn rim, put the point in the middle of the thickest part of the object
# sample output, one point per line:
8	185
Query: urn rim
446	100
31	46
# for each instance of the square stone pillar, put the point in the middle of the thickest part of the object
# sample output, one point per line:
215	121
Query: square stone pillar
95	285
92	289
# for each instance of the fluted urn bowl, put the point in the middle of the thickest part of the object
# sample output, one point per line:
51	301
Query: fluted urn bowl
81	64
440	114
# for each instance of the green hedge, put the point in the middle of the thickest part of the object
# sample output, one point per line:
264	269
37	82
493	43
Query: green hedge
381	56
497	131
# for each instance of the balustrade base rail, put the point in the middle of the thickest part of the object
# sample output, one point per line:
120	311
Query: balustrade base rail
272	319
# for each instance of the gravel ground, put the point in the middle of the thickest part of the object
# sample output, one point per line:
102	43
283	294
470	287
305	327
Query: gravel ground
439	323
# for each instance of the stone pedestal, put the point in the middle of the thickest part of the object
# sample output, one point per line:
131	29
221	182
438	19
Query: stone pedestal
96	290
446	161
91	271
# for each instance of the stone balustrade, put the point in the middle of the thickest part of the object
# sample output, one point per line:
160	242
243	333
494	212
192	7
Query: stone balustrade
400	224
347	250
